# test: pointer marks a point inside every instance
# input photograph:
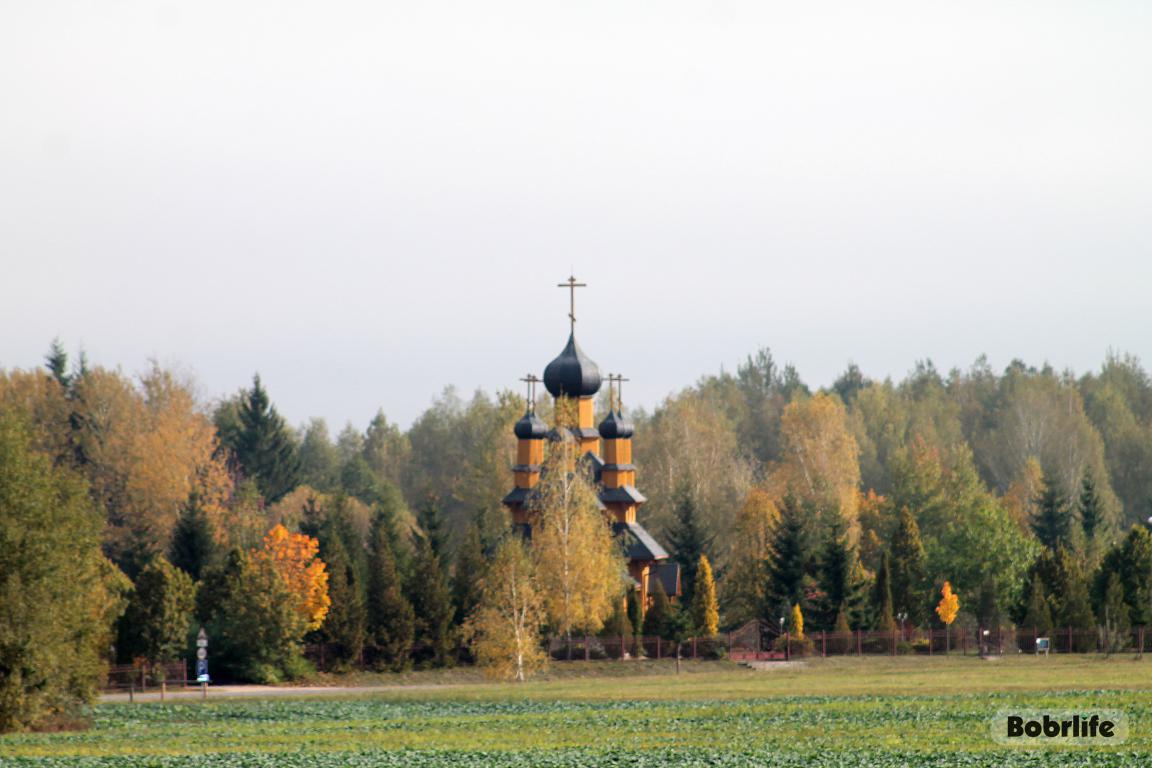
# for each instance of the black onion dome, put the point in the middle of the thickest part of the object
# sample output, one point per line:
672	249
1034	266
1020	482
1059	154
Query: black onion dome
615	427
530	427
572	373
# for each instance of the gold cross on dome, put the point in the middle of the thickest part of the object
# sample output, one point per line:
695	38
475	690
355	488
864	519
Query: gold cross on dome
572	285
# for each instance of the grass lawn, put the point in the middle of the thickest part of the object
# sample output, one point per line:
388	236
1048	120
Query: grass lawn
843	712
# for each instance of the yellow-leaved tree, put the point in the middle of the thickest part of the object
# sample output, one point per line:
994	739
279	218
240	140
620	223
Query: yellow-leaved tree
505	627
705	609
820	460
579	566
294	558
947	609
751	545
797	624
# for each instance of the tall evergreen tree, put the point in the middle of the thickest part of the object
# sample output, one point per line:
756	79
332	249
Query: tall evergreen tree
657	616
261	442
431	523
155	625
1091	507
432	605
466	577
688	539
910	591
1053	522
842	587
344	627
788	561
193	545
391	621
883	619
1114	616
1038	614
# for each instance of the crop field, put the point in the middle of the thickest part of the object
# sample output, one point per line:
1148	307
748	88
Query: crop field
844	712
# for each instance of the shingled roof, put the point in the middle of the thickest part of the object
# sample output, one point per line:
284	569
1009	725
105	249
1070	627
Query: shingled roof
638	543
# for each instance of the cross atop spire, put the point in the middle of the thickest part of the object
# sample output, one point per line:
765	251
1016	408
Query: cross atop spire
572	285
618	380
532	381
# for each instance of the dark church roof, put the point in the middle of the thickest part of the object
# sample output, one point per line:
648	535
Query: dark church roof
572	373
626	494
638	543
530	427
616	426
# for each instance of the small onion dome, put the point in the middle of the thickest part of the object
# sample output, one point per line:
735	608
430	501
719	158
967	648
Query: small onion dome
530	427
572	373
615	426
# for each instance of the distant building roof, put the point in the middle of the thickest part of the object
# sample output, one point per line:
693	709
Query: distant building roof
625	493
638	543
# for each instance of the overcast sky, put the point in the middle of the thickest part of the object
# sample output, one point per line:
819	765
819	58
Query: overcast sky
367	201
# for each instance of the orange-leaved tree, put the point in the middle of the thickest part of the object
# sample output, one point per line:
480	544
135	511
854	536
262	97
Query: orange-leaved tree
294	557
947	609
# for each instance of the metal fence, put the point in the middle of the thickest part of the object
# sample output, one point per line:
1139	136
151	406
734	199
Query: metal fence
143	678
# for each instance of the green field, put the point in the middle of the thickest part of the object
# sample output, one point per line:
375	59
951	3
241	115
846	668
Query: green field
843	712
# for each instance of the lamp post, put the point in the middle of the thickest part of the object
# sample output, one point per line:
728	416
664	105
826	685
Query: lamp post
983	642
902	616
782	635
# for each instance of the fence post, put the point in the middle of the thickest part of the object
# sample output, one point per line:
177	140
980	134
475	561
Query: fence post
823	644
893	641
658	654
931	639
1069	639
693	649
184	673
859	644
587	650
730	645
1141	641
131	691
788	645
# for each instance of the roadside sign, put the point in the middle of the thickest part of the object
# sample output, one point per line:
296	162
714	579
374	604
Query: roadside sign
202	639
1042	644
201	654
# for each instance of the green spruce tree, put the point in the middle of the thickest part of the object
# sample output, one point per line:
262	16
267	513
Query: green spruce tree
432	605
1091	507
788	560
1038	615
1052	523
910	589
391	621
657	616
883	619
160	613
344	627
688	539
193	546
466	576
261	443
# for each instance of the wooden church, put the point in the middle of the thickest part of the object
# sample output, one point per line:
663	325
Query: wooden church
573	379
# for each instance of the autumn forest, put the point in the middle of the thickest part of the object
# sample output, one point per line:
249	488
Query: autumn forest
135	513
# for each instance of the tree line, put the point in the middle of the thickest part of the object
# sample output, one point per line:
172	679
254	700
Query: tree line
1026	489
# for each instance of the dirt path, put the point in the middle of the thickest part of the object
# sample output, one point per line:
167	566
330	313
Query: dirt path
264	691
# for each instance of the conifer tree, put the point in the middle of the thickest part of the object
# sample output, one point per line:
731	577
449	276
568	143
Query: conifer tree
261	442
656	617
688	539
156	623
883	620
788	560
705	611
1052	523
1038	615
391	622
193	546
431	524
431	605
1091	507
344	627
618	624
1114	621
908	563
470	564
843	588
